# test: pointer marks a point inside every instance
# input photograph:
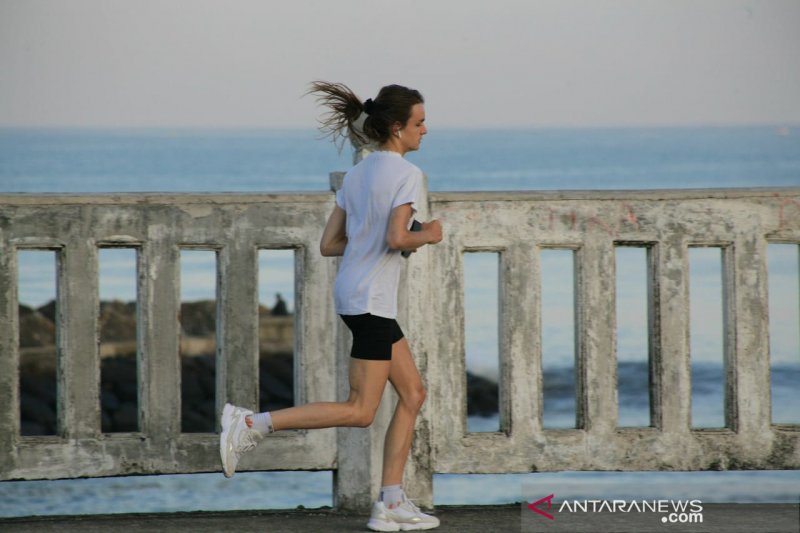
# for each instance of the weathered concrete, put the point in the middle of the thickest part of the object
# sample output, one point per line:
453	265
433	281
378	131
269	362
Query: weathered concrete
667	223
515	225
158	226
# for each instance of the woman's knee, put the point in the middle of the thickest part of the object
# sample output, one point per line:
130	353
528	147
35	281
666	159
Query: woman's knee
414	397
361	416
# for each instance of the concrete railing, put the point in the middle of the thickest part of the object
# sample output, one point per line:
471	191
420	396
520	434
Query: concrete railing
515	225
159	226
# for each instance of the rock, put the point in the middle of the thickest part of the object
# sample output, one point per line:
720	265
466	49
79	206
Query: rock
36	330
31	429
118	374
199	319
208	409
198	401
194	422
106	425
35	410
129	390
276	381
482	396
40	384
192	392
109	401
126	418
207	374
117	321
275	334
48	310
119	394
38	400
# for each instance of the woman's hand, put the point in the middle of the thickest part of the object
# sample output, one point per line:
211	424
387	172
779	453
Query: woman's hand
434	231
398	236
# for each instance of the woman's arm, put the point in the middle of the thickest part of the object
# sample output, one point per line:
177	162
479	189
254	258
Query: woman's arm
334	238
398	237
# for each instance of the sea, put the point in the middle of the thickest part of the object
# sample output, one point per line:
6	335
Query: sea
68	161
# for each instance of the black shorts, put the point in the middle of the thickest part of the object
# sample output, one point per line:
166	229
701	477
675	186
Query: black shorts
373	336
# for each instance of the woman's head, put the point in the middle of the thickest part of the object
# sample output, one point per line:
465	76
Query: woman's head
386	115
389	111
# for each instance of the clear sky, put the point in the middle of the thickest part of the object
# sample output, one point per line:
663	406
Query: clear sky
525	63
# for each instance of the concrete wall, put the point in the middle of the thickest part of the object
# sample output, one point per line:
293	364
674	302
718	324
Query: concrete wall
518	226
515	225
235	226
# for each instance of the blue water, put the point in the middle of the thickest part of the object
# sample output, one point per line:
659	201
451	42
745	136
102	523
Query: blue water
272	160
71	161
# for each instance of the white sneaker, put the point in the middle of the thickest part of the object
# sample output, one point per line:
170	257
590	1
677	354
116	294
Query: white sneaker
236	438
404	517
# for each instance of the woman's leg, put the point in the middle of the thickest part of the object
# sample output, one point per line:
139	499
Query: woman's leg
367	382
406	380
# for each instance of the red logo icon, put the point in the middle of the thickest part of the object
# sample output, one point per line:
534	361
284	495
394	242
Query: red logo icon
533	506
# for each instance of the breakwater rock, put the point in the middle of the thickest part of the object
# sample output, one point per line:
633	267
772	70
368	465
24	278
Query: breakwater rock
118	368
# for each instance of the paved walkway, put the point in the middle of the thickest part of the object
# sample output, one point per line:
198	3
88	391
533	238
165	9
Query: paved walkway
718	518
455	519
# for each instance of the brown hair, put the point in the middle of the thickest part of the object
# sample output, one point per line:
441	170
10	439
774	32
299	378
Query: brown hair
393	104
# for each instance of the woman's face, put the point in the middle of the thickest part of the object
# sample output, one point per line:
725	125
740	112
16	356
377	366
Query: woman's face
411	134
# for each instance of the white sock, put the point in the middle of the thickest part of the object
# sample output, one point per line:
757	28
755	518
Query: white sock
262	422
392	495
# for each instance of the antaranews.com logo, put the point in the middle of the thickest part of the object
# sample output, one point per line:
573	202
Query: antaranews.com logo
665	511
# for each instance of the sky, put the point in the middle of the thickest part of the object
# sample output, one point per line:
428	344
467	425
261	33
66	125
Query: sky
526	63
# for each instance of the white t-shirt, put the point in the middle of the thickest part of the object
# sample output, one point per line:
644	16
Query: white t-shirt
370	272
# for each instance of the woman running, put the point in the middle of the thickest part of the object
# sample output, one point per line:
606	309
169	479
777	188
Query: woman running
370	227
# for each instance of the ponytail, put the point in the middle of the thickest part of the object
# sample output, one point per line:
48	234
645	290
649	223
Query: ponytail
344	116
344	109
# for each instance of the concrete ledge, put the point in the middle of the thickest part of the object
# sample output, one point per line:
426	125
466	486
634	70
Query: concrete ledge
156	198
153	198
622	194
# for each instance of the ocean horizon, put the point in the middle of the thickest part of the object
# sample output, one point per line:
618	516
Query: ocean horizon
73	160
